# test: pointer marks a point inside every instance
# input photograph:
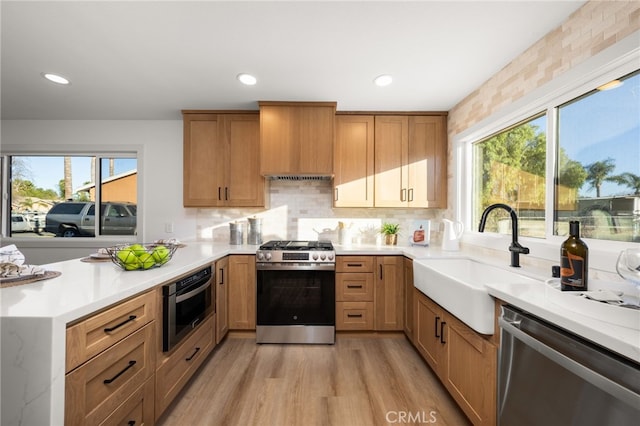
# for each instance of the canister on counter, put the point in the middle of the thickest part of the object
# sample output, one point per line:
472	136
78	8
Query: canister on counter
236	233
255	231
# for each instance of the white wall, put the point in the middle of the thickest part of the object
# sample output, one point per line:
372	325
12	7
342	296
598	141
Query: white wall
159	166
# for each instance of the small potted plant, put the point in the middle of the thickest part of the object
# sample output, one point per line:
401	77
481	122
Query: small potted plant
390	232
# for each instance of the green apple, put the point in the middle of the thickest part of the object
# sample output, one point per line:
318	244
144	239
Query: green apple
146	260
127	256
161	254
138	249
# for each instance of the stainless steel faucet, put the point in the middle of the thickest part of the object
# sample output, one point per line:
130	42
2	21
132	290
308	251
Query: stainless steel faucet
515	248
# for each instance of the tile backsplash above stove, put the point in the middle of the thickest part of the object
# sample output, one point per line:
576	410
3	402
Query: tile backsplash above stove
302	210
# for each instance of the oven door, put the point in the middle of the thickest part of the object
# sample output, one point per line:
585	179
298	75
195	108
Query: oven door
184	310
296	294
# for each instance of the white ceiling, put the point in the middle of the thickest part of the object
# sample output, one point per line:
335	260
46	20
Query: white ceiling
151	59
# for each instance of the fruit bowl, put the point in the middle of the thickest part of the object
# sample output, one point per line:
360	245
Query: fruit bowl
140	257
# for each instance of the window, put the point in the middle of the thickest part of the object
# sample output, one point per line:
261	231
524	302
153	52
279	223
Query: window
598	165
509	168
58	195
591	150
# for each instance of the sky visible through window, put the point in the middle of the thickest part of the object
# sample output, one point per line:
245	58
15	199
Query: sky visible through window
46	172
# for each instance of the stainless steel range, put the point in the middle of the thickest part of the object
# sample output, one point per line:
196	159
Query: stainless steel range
296	292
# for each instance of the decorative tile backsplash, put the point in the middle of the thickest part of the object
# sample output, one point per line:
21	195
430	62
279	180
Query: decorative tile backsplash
303	210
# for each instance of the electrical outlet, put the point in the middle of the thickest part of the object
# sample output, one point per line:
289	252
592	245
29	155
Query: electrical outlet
168	227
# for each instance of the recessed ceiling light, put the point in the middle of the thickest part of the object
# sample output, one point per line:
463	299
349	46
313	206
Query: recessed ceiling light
247	79
56	78
383	80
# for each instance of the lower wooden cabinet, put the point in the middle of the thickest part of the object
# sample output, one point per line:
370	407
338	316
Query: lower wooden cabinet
389	293
408	298
354	316
178	366
97	388
137	410
465	361
241	289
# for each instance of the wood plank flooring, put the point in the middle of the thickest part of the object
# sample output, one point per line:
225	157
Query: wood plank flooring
357	381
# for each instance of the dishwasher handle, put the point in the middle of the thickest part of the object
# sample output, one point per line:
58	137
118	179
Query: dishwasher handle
596	379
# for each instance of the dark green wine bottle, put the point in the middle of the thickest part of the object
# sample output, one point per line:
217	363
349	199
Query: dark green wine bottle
574	261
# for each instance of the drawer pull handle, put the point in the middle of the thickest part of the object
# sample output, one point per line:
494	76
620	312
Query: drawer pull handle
110	329
436	328
194	354
354	315
354	286
131	364
442	324
131	422
355	265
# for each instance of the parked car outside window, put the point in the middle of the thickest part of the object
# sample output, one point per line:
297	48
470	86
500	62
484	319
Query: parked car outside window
21	223
77	219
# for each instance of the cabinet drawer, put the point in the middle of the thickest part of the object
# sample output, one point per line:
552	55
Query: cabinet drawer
354	315
354	263
137	410
98	332
355	287
101	385
178	368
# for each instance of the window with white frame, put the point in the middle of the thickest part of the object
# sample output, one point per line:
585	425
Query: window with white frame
596	162
60	195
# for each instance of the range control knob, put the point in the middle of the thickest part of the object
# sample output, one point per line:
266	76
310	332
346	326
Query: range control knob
260	255
267	256
315	256
323	256
330	256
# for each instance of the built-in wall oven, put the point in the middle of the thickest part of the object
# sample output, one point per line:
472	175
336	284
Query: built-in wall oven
296	292
548	376
185	303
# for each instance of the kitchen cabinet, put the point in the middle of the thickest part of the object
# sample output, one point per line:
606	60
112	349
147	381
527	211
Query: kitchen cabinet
354	293
369	293
389	293
222	299
221	160
353	161
296	138
465	361
111	363
180	364
242	292
408	298
410	161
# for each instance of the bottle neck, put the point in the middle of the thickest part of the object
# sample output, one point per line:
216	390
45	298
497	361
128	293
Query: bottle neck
574	228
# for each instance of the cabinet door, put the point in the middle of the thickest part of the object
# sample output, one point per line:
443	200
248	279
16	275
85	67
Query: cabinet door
222	299
391	139
315	139
242	292
470	375
389	293
428	329
202	146
353	161
427	160
244	186
408	298
277	138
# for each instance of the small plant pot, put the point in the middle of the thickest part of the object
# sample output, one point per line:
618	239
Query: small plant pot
391	239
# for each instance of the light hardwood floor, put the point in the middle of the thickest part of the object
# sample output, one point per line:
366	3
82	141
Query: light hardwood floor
357	381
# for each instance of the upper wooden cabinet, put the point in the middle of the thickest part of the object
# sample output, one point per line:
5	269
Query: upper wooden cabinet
296	138
390	161
410	161
222	160
353	161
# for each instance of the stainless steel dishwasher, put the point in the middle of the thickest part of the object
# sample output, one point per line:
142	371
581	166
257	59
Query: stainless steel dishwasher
548	376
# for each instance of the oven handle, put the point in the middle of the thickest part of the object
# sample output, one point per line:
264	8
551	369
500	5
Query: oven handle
294	267
184	296
598	380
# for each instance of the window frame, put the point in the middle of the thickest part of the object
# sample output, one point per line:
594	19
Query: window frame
118	151
619	60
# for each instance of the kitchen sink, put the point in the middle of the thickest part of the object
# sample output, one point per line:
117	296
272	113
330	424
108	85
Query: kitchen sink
459	286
